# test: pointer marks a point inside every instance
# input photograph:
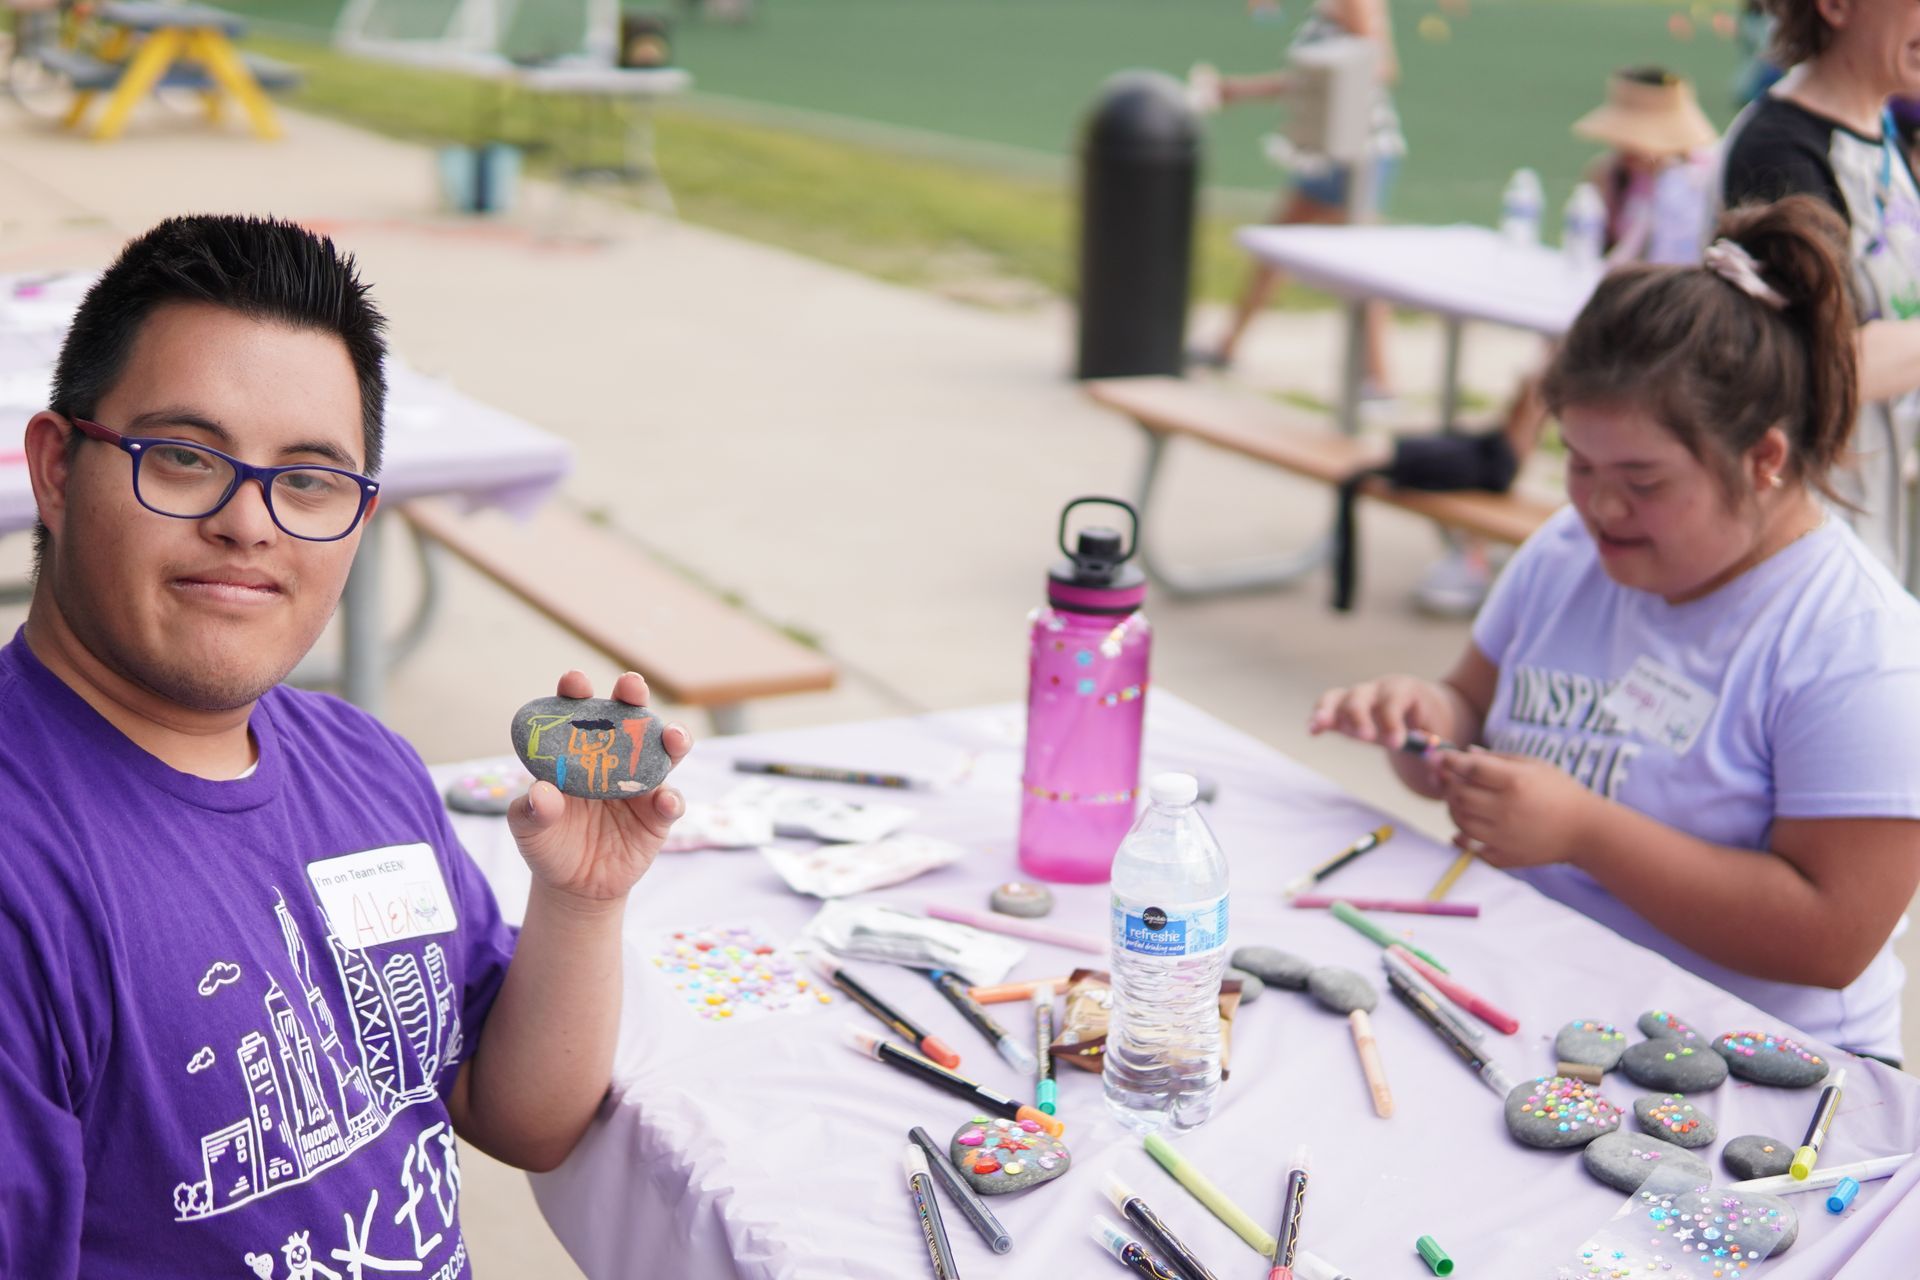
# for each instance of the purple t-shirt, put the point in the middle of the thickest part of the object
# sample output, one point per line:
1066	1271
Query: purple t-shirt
231	1011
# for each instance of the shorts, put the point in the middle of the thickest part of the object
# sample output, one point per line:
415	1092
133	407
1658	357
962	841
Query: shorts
1330	187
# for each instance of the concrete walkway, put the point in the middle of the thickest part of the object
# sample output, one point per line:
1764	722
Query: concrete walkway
877	467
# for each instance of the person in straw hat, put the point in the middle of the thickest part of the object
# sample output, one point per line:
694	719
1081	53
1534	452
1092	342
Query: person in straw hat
1656	177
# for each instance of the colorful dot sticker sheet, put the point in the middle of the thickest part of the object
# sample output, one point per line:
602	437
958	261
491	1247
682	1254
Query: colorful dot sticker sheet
1675	1227
736	973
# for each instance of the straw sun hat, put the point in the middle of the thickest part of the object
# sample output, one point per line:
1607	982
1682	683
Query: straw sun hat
1651	112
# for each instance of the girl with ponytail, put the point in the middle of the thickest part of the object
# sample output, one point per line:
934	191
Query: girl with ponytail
1695	694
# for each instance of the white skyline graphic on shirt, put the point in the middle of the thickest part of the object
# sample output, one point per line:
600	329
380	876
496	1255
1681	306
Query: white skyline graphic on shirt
314	1096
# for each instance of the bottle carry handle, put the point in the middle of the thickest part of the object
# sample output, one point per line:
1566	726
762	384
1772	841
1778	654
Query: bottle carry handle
1133	520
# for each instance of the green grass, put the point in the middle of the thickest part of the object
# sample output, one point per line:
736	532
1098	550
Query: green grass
779	142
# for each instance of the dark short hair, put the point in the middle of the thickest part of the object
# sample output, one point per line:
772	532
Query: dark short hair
1799	32
263	268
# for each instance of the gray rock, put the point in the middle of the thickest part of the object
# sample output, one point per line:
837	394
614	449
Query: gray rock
1670	1116
1673	1067
486	791
1250	986
998	1156
1555	1112
1021	898
596	748
1659	1024
1273	967
1765	1058
1597	1044
1714	1218
1754	1155
1624	1160
1342	990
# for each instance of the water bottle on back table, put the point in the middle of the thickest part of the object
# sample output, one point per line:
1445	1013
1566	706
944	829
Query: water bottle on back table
1521	207
1086	703
1169	940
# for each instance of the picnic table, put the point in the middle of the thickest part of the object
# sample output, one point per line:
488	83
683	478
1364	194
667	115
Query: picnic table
152	46
761	1147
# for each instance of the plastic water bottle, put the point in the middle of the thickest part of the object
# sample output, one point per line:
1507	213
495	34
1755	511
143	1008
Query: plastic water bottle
1520	207
1169	936
1583	227
1086	701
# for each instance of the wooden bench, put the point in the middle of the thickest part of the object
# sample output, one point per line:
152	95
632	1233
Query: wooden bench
693	648
1294	440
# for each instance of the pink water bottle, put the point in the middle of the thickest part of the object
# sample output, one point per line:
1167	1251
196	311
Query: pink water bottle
1086	701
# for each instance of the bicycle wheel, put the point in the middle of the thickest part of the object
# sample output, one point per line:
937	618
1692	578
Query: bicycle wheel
38	89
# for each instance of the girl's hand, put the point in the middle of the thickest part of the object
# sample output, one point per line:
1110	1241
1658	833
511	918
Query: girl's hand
1515	811
1381	711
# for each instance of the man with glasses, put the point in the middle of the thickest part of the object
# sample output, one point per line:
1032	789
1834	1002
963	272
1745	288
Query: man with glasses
252	984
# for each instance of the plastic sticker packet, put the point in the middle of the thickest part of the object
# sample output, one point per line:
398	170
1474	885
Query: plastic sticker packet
873	931
736	973
718	826
808	813
1674	1226
836	870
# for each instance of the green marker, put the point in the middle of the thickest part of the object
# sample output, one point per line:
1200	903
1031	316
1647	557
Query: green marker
1344	912
1210	1196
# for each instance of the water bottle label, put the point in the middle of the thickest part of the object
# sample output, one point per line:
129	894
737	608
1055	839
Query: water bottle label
1161	931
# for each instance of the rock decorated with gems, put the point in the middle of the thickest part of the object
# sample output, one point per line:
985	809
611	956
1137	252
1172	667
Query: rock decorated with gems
1558	1111
1754	1155
1674	1067
1596	1044
1770	1059
596	748
1250	986
1624	1160
1342	990
1021	898
1670	1116
997	1156
490	791
1714	1226
1660	1024
1272	966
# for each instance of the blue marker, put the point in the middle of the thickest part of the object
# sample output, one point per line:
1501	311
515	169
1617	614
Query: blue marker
1046	1090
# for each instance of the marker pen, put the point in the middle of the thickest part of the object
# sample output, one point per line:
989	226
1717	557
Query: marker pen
1046	1088
896	1021
914	1065
1018	1056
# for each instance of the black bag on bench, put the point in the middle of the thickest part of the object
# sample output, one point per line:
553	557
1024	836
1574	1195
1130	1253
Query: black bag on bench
1434	463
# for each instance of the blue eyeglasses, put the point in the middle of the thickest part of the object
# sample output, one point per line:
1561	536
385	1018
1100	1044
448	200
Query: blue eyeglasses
189	481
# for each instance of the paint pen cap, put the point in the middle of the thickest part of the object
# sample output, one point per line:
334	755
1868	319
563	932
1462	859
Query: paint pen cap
824	964
1434	1256
862	1041
936	1048
1117	1193
914	1162
1053	1126
1802	1167
1843	1195
1018	1056
1108	1236
1049	1096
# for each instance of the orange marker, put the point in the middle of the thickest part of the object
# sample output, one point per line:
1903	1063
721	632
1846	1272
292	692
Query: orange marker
898	1022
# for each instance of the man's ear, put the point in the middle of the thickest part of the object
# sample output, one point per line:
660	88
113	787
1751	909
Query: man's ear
49	464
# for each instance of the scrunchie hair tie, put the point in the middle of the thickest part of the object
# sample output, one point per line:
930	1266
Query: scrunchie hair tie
1732	263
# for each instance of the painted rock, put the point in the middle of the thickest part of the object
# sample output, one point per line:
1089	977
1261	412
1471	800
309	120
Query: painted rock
1342	990
596	748
1274	967
1754	1155
1021	898
1558	1111
1660	1024
1673	1067
490	791
1624	1160
1250	986
1670	1116
1770	1059
998	1156
1597	1044
1747	1225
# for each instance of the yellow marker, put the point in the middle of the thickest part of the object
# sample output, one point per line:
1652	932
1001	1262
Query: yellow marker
1453	873
1809	1153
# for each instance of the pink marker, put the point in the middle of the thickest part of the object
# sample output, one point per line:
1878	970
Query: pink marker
1021	929
1405	906
1504	1023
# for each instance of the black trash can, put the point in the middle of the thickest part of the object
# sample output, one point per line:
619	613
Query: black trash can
1140	162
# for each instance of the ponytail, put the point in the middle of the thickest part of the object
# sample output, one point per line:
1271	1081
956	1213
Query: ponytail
1761	335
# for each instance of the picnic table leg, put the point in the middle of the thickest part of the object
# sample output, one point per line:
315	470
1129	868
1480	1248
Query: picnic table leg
216	54
1353	372
363	664
150	62
1450	375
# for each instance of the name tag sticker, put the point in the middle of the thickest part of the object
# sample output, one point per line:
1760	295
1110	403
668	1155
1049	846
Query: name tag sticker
1661	705
385	895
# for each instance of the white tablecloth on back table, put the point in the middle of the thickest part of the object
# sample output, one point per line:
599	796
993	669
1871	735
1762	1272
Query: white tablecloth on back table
768	1149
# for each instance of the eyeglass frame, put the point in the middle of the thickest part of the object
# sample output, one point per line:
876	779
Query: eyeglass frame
134	447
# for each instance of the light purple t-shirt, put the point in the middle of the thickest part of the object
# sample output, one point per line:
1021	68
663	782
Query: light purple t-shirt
231	1011
1811	663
